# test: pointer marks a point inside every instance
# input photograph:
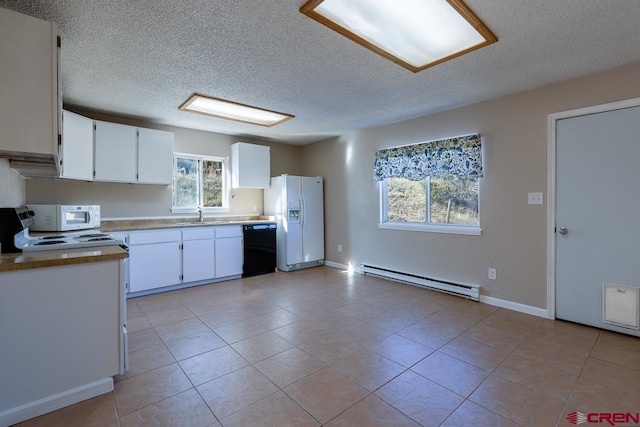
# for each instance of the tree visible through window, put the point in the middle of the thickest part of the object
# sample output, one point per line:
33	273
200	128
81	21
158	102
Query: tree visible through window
435	200
198	182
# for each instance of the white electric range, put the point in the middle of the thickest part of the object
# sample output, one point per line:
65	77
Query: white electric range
77	239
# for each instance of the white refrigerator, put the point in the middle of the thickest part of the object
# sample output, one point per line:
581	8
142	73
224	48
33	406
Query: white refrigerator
297	203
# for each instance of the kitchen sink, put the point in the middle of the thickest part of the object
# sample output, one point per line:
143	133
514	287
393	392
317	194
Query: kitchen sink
191	224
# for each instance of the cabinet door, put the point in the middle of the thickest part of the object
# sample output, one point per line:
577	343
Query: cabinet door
77	147
115	152
250	165
228	256
155	156
154	266
28	85
198	260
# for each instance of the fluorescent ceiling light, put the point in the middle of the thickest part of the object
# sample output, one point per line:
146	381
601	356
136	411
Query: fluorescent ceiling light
416	34
209	106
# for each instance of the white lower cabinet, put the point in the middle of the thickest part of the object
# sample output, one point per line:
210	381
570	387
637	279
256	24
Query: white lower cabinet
228	251
198	254
155	259
161	258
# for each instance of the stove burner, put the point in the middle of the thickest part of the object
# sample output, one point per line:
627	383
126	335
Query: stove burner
51	237
93	235
98	239
49	242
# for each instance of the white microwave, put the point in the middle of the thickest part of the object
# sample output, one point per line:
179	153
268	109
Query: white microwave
64	217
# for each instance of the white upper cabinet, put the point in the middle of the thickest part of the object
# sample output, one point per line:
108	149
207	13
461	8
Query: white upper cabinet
29	100
133	155
76	152
250	165
155	156
115	152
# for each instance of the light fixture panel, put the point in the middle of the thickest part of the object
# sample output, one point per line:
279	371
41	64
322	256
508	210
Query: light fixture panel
416	34
229	110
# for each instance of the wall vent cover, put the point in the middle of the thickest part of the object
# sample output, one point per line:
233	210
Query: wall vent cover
620	305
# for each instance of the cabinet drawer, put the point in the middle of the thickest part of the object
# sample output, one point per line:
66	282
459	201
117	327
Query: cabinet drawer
228	231
198	233
154	236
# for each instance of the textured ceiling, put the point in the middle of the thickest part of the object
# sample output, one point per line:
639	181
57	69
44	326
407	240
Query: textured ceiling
142	59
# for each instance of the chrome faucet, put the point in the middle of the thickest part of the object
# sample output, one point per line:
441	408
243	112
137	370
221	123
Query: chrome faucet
200	215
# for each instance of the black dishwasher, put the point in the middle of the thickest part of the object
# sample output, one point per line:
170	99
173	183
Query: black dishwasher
259	249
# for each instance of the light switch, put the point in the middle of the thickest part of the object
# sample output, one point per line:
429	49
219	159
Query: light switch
536	198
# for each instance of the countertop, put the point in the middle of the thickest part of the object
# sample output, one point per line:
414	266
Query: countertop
28	260
114	226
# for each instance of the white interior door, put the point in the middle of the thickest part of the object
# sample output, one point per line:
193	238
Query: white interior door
597	210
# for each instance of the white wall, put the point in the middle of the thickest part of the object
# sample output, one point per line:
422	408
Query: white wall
514	130
12	188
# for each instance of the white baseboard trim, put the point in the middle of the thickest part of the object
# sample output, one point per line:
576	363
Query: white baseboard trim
515	306
56	401
335	265
497	302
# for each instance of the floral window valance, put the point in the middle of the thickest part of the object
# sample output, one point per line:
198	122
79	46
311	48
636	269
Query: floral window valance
453	156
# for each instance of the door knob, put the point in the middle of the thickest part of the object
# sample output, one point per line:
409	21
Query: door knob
563	230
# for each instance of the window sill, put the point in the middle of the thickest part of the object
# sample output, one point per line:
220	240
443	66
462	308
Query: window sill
432	228
185	210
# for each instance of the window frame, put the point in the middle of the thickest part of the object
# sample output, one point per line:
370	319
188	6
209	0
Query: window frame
427	226
225	184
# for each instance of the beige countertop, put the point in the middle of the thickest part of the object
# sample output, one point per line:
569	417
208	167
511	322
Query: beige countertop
113	226
28	260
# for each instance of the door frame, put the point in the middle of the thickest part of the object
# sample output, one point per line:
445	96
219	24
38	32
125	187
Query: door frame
552	120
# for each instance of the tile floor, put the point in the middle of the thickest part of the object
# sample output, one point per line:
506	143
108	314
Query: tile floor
320	347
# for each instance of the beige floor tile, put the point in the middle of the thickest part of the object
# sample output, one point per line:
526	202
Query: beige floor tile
138	323
97	412
517	402
401	350
143	339
622	356
276	319
330	347
261	346
430	334
222	318
325	394
239	331
471	415
146	360
537	376
367	368
620	340
477	354
163	317
456	375
192	345
235	391
612	375
185	409
568	358
590	396
181	328
276	410
372	412
289	366
148	388
513	321
495	337
212	364
420	399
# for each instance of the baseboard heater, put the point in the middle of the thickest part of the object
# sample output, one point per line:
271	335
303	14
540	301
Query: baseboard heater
459	289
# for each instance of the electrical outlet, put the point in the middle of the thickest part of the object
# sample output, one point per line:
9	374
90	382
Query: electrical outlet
492	273
536	198
255	209
339	248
